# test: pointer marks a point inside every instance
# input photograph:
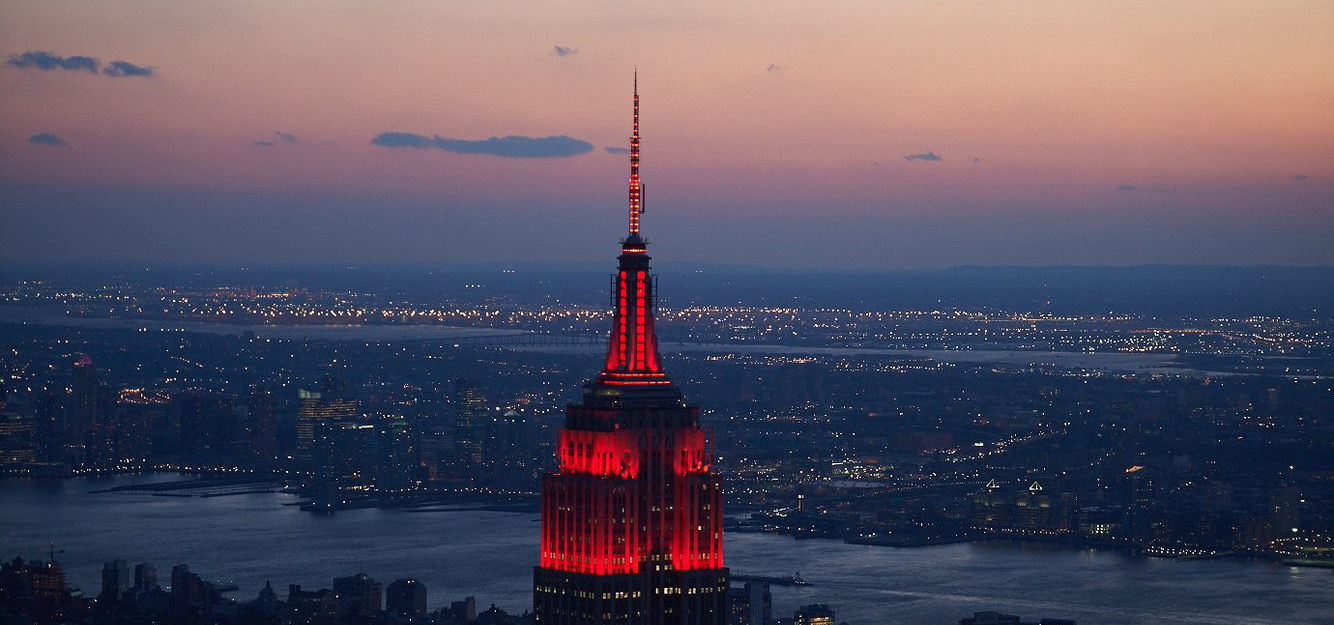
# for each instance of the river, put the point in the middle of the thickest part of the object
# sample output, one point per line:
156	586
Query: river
247	539
1103	361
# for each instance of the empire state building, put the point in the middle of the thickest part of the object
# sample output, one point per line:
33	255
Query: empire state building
632	521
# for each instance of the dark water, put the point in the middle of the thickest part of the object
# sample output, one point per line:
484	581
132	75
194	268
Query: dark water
248	539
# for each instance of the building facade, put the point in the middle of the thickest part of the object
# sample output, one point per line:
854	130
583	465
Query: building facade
321	409
632	521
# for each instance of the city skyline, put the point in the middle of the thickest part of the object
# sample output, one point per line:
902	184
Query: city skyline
977	313
886	135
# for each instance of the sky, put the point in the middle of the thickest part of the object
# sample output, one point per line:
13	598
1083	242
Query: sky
872	135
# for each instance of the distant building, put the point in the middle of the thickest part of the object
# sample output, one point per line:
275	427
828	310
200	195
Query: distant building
507	453
406	597
738	606
89	399
343	464
324	407
134	431
267	601
41	581
989	618
52	427
115	581
145	577
189	593
205	422
465	610
751	604
813	614
357	597
261	426
469	422
436	452
395	456
311	606
18	440
1028	510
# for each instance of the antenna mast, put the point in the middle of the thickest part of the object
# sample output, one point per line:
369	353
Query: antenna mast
636	190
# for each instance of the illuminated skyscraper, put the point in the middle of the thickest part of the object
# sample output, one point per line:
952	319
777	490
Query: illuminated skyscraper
18	440
469	422
632	522
321	409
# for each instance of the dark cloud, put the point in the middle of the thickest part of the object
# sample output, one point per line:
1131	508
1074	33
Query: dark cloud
564	51
402	140
510	146
121	69
925	156
772	68
279	137
617	150
1301	177
46	138
1127	187
47	61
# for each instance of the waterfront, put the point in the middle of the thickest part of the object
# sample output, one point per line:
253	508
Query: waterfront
283	332
250	538
1104	361
1112	361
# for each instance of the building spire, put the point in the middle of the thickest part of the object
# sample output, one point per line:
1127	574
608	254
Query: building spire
636	189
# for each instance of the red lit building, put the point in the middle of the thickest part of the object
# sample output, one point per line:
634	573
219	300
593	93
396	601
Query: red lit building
632	522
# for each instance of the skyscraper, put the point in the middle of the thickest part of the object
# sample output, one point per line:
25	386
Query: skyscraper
394	456
750	604
115	580
18	440
632	522
206	421
261	426
469	423
145	577
318	409
90	403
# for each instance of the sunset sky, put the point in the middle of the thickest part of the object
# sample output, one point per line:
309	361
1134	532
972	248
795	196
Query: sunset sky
874	134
